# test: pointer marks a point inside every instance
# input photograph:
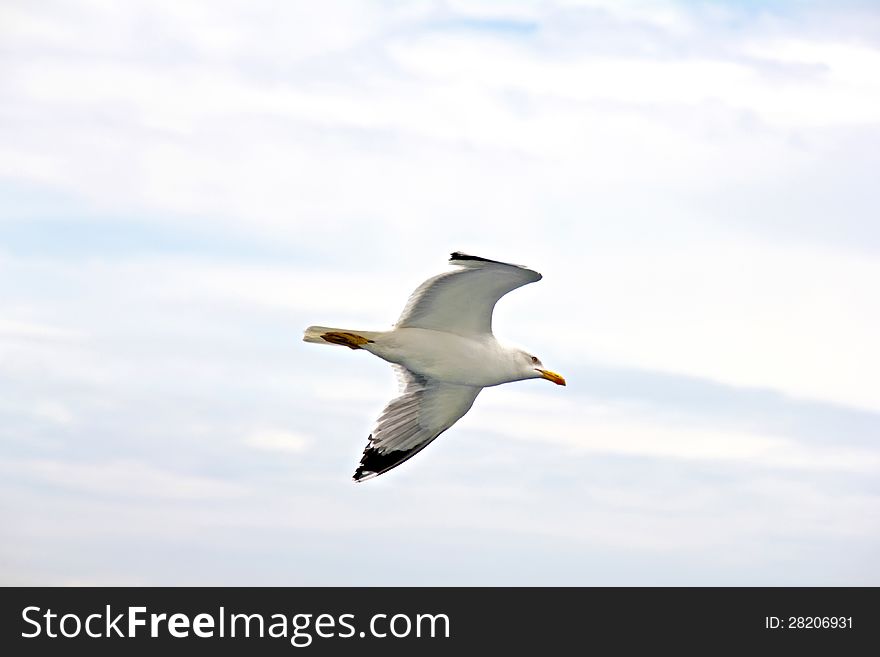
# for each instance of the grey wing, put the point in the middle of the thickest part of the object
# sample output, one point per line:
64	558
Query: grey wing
462	301
423	411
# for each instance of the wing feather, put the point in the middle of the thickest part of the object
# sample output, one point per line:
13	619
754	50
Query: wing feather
423	411
462	301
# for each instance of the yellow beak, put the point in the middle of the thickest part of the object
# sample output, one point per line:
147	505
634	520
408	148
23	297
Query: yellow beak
552	376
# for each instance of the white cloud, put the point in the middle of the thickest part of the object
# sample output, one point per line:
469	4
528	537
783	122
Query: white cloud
121	478
278	440
795	319
15	330
624	429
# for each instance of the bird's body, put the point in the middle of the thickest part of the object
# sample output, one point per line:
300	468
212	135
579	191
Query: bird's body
444	351
446	357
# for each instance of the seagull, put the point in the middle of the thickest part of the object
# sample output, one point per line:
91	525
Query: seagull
444	353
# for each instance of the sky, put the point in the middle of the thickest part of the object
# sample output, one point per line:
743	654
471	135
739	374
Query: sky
184	187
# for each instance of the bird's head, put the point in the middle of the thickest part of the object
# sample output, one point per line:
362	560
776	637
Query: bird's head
531	367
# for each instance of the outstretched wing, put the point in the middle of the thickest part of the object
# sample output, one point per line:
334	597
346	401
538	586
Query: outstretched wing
462	301
423	411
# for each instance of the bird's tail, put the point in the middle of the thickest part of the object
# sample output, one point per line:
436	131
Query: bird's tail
345	337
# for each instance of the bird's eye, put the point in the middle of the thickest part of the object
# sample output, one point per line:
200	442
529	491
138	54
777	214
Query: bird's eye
535	359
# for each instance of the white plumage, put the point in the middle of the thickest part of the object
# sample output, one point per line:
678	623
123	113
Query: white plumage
444	352
462	301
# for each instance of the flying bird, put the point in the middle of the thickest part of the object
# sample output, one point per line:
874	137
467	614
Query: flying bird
444	353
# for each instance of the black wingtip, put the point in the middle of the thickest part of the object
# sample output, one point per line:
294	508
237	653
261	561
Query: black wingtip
458	255
373	462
